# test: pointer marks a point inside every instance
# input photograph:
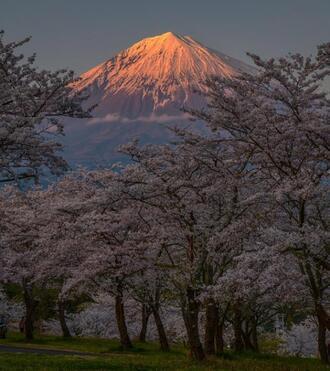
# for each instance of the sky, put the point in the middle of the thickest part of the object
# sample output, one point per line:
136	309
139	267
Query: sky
79	34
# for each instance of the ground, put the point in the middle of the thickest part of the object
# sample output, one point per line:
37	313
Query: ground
101	354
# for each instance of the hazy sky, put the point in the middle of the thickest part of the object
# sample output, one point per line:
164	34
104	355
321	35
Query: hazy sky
82	33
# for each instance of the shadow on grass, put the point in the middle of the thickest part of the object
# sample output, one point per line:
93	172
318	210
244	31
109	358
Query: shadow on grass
108	355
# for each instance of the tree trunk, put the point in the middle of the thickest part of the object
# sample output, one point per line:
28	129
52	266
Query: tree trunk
145	319
246	336
323	315
125	341
219	342
164	346
238	330
247	341
62	319
254	335
190	315
210	326
30	307
322	344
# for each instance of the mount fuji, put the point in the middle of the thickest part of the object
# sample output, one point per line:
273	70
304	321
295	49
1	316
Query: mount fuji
140	92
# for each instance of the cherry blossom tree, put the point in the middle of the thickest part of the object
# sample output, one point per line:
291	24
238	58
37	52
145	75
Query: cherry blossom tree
151	288
200	228
97	239
19	255
61	206
276	125
32	103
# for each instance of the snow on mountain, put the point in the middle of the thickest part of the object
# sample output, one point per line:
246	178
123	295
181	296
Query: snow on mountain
142	88
157	75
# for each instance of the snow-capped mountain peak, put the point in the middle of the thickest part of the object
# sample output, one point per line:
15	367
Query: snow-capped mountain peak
140	92
156	76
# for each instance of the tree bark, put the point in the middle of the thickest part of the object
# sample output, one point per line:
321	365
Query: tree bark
220	324
254	335
61	315
323	315
145	319
246	336
322	344
125	341
247	341
238	330
190	315
219	342
30	307
164	346
210	326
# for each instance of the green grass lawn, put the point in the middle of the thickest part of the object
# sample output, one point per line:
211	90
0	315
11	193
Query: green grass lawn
107	356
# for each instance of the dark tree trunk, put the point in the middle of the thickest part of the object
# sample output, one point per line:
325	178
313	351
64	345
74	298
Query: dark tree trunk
190	315
323	316
247	341
254	336
322	343
210	326
164	346
219	342
238	330
62	319
246	335
125	341
145	318
30	307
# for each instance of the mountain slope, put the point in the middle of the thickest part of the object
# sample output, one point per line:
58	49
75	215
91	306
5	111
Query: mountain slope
141	88
157	75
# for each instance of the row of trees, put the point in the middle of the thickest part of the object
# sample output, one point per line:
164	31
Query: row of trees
231	225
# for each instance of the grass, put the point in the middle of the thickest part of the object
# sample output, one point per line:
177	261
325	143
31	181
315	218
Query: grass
107	356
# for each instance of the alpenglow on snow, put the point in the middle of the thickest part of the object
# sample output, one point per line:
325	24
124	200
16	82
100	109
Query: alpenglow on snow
139	90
